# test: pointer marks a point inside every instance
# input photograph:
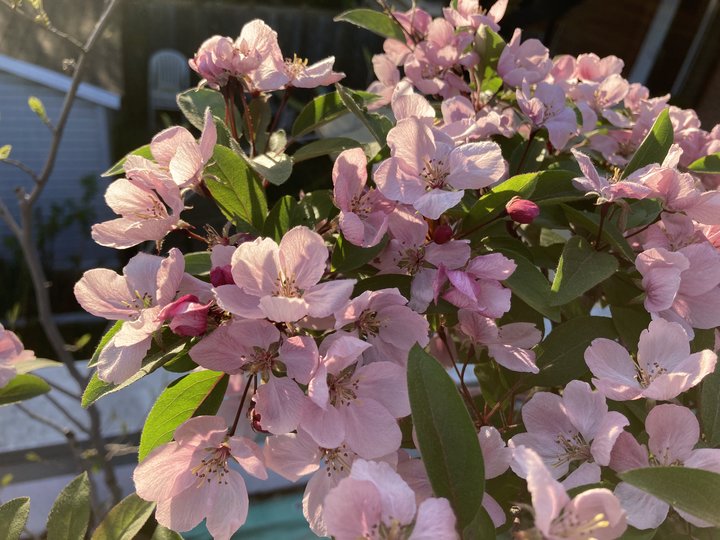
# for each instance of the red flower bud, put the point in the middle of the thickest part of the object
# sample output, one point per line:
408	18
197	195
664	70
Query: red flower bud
522	210
442	234
187	316
221	275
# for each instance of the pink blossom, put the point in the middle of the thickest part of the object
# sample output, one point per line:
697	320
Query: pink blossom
253	347
12	351
176	149
478	287
664	369
590	67
295	455
188	317
191	478
143	199
470	13
508	345
595	513
258	41
374	498
595	99
529	61
575	429
359	407
382	319
546	108
280	282
148	284
319	74
462	123
388	76
221	265
496	460
363	213
428	171
216	61
673	432
522	210
683	286
608	190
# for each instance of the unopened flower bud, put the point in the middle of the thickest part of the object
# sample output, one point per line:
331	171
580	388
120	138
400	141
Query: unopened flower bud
187	316
221	275
442	234
522	210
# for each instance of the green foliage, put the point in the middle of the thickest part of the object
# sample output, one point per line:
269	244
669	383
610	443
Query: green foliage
446	435
143	151
198	263
125	519
710	407
591	222
347	256
70	513
561	356
194	102
580	269
322	110
707	164
377	125
23	387
38	108
280	218
236	189
529	284
492	204
375	21
694	491
13	516
195	394
323	147
654	147
5	151
114	329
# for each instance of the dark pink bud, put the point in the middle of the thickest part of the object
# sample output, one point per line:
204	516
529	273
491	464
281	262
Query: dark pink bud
187	316
442	234
522	210
221	275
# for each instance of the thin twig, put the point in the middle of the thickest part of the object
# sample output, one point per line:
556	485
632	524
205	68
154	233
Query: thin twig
67	414
465	390
47	26
63	390
24	168
43	420
242	404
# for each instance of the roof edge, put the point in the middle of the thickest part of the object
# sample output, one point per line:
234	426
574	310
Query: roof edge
58	81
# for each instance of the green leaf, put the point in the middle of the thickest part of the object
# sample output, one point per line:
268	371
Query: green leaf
237	190
26	366
114	329
318	112
493	203
125	520
710	407
481	527
561	356
274	167
643	212
375	21
23	387
555	186
323	147
5	151
707	164
313	208
118	168
347	256
489	46
198	393
629	322
610	233
193	102
38	108
580	269
695	491
97	388
279	220
13	516
631	533
198	263
527	157
162	533
654	147
70	513
529	284
377	125
384	281
446	436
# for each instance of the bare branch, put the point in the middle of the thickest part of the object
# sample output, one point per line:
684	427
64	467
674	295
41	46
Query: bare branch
43	420
47	25
7	217
60	407
24	168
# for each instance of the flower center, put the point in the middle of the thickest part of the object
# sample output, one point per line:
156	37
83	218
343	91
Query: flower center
434	173
646	376
412	259
569	525
360	205
296	66
285	286
337	460
575	449
343	390
213	467
368	324
260	361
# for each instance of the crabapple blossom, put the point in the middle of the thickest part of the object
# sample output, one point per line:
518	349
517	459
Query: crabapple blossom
528	61
664	369
522	210
188	317
595	513
149	202
427	171
509	345
374	502
598	99
192	479
575	429
148	284
546	108
673	432
363	213
382	319
301	75
359	407
12	351
280	282
176	150
469	13
608	190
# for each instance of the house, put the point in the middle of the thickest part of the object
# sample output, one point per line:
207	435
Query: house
72	199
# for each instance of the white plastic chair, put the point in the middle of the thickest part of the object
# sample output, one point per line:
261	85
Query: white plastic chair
168	74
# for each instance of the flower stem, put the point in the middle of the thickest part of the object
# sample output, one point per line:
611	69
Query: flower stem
240	407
